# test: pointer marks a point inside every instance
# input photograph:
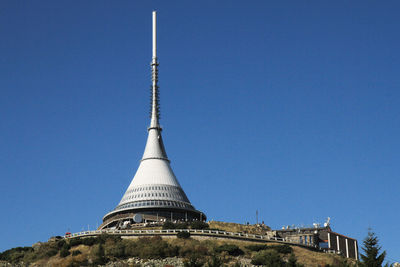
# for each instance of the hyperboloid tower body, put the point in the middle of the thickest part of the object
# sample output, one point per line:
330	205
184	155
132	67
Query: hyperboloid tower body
154	193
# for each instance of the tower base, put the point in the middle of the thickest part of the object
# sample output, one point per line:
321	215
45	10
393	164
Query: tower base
124	218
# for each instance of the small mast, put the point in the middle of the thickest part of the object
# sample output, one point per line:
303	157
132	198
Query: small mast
155	106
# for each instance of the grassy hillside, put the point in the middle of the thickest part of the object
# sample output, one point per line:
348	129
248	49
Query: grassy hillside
181	250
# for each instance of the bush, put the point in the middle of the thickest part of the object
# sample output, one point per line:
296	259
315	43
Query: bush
104	237
199	225
183	235
192	248
268	257
61	243
181	226
98	255
114	249
64	252
51	252
15	254
168	225
232	250
73	242
256	247
131	248
155	248
171	225
76	252
89	241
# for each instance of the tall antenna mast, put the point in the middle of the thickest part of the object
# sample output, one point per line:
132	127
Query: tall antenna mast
155	106
144	196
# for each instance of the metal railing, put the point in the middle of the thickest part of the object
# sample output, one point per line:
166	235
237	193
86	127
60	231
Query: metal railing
195	232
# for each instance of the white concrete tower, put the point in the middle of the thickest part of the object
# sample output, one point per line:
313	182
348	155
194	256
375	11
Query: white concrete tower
154	192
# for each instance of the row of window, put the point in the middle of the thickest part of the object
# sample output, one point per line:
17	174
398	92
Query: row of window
147	188
174	196
155	203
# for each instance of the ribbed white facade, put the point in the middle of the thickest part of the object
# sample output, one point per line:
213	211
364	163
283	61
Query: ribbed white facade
154	183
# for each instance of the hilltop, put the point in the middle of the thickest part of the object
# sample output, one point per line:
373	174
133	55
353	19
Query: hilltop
179	250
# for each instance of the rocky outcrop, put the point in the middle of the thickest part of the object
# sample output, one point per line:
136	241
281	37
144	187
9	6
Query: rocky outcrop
176	262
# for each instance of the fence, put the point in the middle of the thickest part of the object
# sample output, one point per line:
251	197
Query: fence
194	232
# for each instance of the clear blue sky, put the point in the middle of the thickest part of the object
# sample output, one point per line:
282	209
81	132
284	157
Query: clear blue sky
290	108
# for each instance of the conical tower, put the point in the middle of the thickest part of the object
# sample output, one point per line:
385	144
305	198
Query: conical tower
154	193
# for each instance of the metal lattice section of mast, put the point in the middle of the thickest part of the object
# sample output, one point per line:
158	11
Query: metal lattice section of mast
155	100
154	94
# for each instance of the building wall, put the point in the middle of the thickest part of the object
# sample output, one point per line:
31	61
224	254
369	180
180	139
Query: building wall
347	246
323	238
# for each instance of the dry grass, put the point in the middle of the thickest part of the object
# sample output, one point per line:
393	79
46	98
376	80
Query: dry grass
64	262
303	255
316	259
236	227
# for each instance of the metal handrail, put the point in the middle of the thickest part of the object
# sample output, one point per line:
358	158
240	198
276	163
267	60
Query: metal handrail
215	233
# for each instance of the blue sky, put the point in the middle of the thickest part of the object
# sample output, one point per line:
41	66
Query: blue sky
290	108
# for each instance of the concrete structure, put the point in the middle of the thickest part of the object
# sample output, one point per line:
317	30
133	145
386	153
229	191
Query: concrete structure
323	238
154	193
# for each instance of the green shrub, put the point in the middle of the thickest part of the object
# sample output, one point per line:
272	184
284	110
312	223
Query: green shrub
131	248
61	243
183	235
15	255
51	252
199	225
168	225
114	249
73	242
104	237
155	248
45	250
192	248
232	250
181	226
171	225
76	252
64	252
98	255
268	257
90	241
256	247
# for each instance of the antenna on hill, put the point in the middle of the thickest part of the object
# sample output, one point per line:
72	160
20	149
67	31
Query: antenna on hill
328	222
257	217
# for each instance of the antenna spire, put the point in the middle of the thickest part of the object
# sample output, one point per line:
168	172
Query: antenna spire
155	105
